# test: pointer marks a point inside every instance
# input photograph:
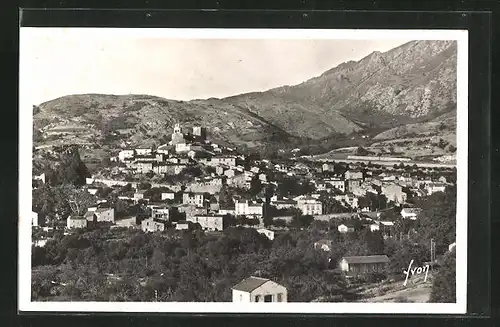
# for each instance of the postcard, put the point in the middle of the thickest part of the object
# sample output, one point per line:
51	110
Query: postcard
243	170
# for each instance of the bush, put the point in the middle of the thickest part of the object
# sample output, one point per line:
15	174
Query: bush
375	277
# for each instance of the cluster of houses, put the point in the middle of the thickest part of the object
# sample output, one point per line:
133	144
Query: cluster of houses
200	196
397	187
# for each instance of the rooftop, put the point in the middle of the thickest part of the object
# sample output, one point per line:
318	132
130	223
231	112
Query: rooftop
250	283
102	209
412	210
77	218
367	259
327	242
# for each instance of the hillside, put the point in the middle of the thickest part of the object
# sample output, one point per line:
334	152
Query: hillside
410	83
376	96
141	118
435	138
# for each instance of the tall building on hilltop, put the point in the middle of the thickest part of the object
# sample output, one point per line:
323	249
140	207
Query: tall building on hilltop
177	136
200	133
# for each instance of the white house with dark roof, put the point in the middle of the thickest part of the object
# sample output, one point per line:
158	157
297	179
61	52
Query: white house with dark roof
353	174
167	195
435	187
410	213
358	265
126	154
345	228
257	289
266	232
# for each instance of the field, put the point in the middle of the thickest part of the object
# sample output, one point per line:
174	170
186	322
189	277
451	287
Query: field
415	291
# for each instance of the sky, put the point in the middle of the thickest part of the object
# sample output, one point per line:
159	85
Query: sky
60	62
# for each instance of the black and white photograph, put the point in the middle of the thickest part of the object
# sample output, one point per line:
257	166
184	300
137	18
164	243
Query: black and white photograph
252	170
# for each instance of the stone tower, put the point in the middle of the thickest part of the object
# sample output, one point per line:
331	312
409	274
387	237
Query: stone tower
177	136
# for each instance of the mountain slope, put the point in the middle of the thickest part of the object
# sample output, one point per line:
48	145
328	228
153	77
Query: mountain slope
140	118
411	84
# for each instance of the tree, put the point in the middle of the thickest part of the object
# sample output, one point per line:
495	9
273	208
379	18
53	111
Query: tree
374	241
43	201
154	194
144	186
69	199
225	197
71	168
268	193
360	151
438	219
301	221
444	284
255	185
330	205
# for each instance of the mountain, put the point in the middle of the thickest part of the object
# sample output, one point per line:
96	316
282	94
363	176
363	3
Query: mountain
411	84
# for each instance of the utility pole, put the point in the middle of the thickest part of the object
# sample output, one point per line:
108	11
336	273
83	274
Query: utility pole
432	253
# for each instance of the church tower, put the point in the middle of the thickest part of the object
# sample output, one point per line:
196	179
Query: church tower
177	136
177	129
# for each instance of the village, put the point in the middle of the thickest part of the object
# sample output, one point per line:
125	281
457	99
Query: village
192	184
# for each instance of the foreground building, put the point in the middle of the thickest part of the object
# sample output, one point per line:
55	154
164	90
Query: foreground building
257	289
354	266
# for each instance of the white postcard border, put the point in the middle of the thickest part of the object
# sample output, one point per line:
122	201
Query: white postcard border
25	175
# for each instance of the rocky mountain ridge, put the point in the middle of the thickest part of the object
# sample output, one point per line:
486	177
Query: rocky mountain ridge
411	84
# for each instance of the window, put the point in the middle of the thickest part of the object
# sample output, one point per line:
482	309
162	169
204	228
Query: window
280	297
257	298
268	298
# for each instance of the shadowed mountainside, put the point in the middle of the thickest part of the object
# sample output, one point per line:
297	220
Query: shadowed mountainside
378	95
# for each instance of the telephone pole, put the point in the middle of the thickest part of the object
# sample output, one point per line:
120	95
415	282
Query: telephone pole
433	254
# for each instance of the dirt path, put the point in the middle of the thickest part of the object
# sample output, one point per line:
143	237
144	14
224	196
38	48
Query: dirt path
416	291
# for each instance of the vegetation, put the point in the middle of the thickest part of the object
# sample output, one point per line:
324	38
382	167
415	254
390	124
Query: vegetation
444	284
199	266
180	267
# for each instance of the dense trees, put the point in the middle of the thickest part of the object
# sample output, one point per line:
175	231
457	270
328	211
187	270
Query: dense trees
194	267
330	205
71	169
64	166
438	219
255	185
62	200
444	283
290	186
